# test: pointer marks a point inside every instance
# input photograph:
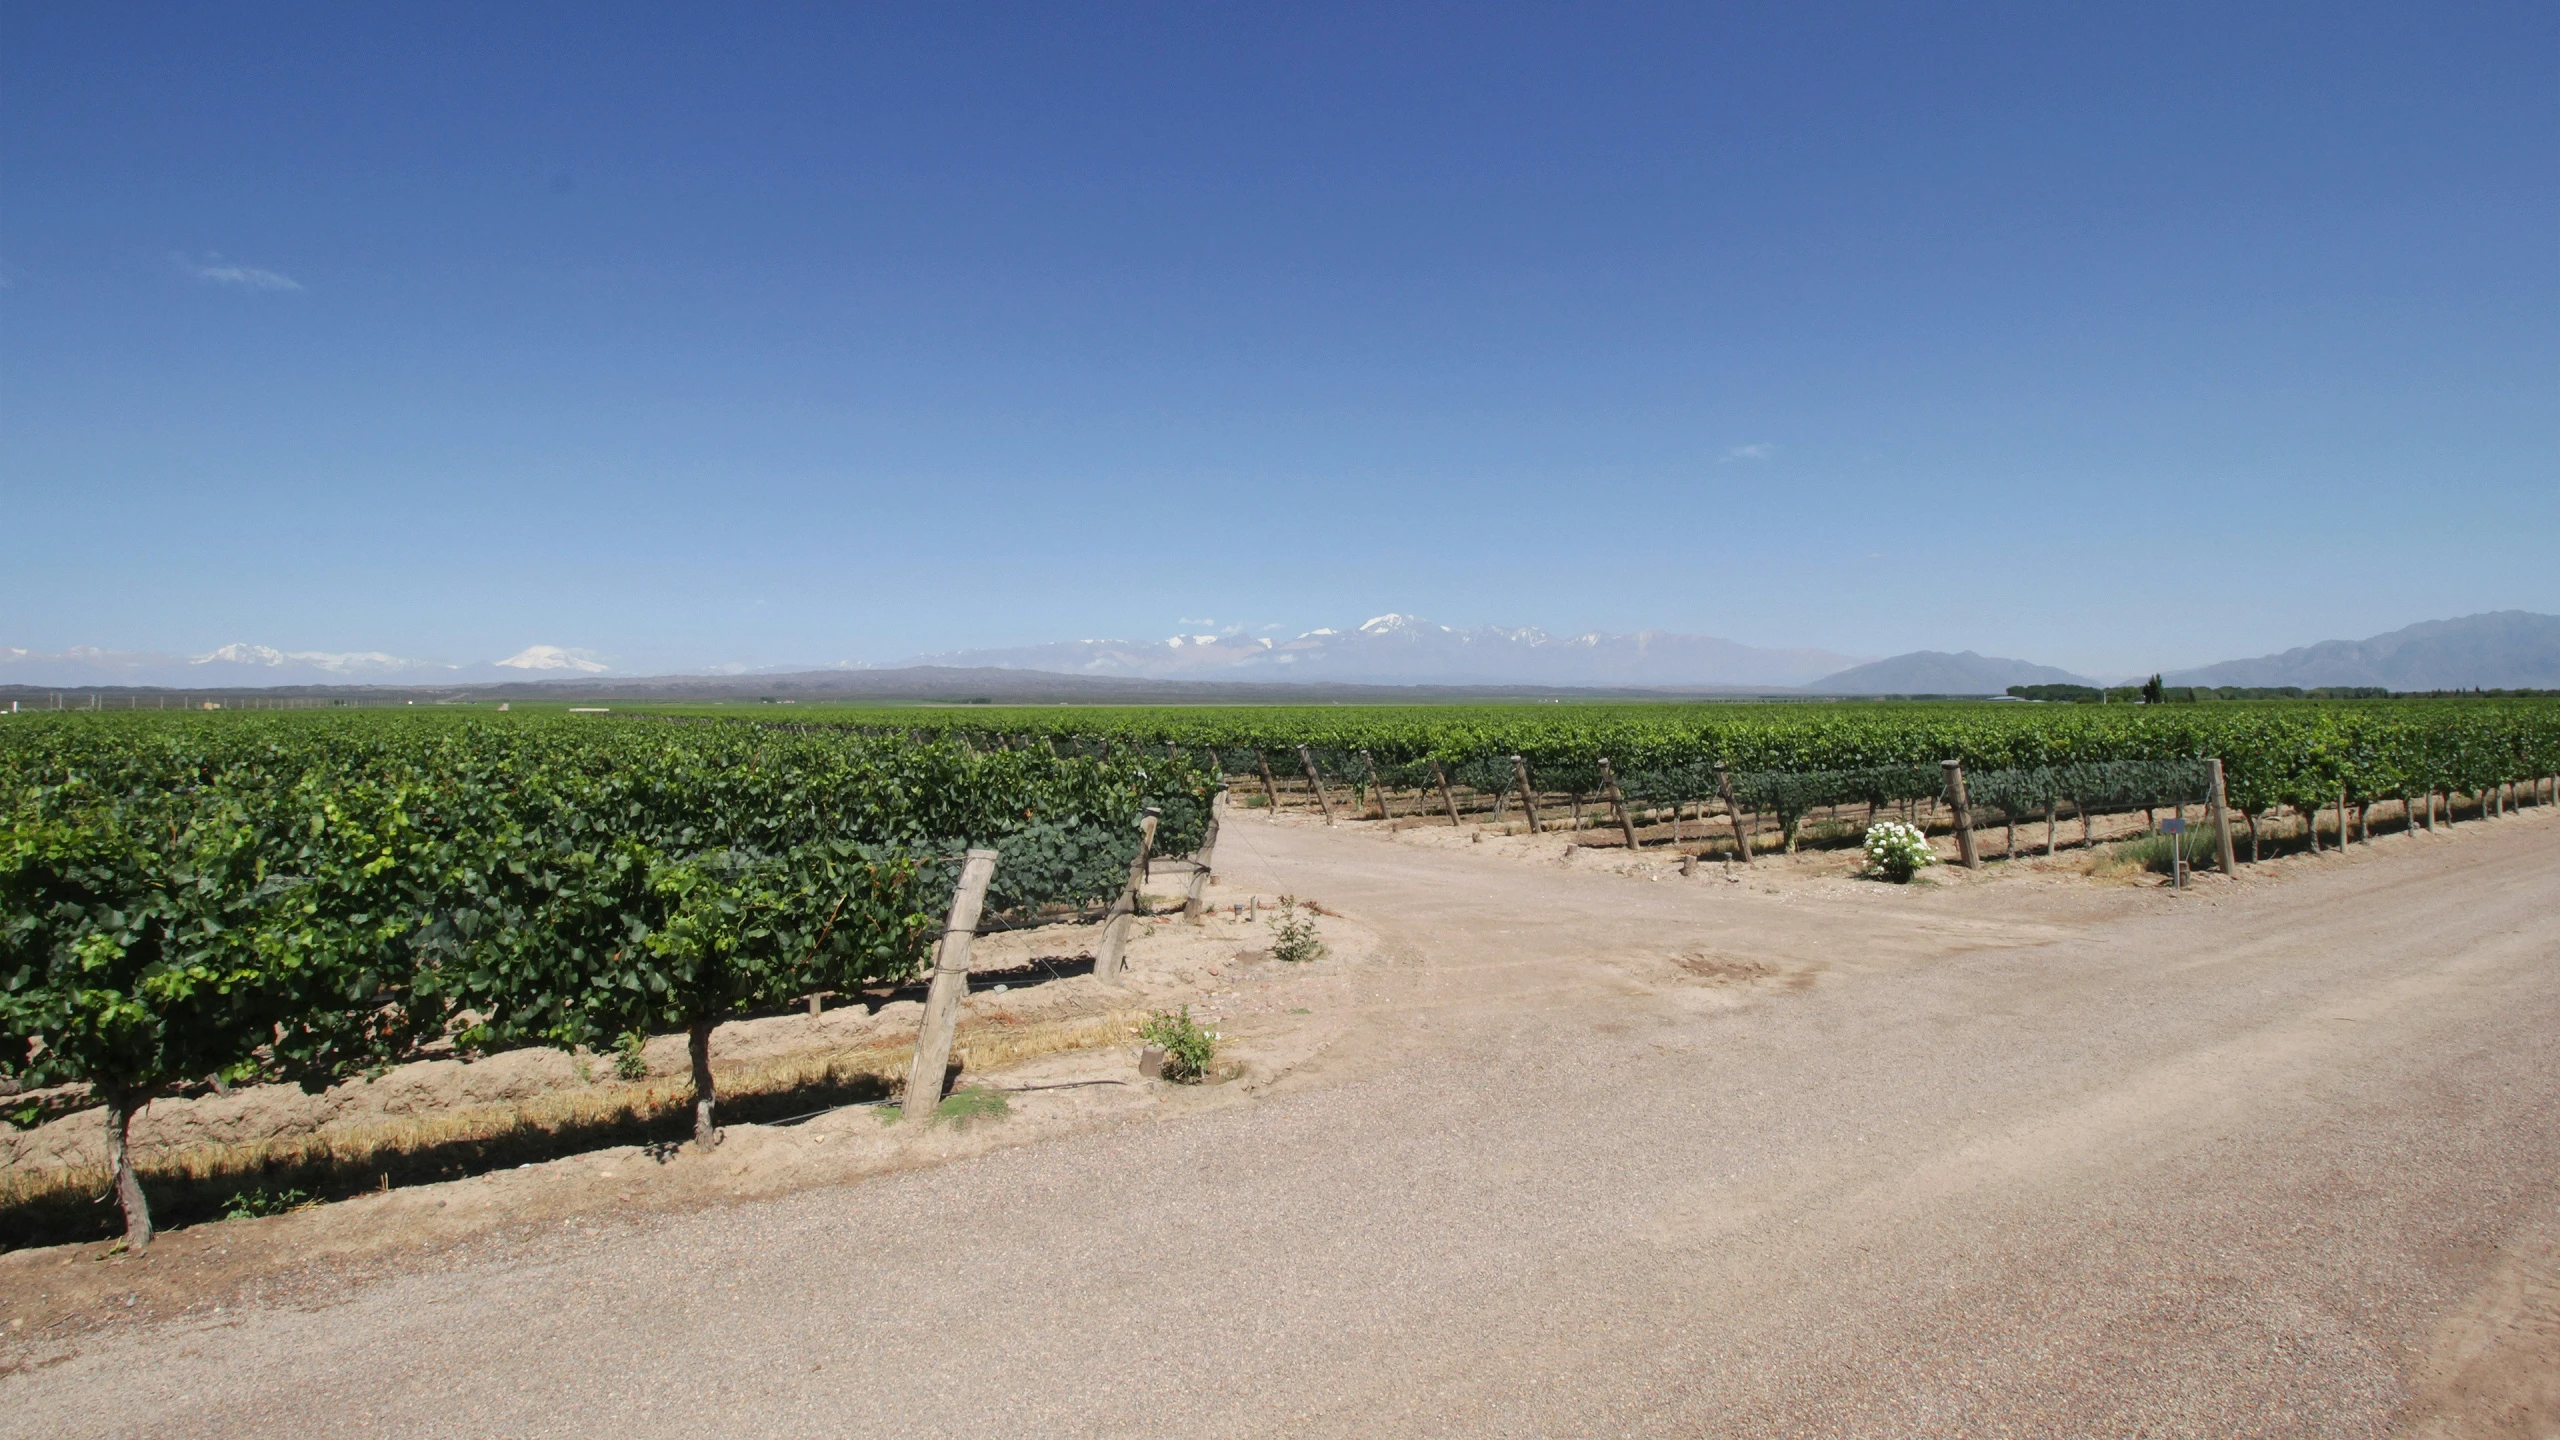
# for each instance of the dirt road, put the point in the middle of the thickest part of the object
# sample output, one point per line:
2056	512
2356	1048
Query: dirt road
1596	1155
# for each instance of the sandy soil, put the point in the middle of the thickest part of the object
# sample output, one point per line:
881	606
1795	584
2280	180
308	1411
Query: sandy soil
1562	1143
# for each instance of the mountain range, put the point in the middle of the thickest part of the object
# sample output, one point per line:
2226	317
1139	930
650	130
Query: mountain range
253	667
1403	650
1934	672
2503	650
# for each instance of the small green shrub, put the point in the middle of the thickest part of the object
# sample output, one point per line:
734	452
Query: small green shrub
628	1062
1188	1049
1293	936
1897	851
253	1203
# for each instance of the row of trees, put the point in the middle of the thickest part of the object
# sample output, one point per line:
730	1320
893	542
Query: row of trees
312	896
2153	692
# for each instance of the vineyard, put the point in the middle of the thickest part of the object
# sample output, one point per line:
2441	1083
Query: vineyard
307	897
2020	761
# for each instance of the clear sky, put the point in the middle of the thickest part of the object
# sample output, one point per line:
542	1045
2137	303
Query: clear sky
2113	337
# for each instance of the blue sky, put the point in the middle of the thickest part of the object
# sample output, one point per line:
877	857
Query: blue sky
762	334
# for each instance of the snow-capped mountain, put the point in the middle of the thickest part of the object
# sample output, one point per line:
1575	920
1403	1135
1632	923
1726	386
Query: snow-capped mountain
554	660
1403	649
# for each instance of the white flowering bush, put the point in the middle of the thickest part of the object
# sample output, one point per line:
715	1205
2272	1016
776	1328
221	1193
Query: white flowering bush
1897	851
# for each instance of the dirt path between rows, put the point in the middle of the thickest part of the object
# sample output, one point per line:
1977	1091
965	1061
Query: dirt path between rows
1566	1151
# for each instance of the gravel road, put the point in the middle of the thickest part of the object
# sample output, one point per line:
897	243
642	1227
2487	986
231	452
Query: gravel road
1607	1156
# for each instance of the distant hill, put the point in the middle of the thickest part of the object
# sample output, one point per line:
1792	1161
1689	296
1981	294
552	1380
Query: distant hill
921	684
1935	672
1404	650
2502	650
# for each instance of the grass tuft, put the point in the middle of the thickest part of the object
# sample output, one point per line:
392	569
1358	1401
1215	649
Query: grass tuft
974	1103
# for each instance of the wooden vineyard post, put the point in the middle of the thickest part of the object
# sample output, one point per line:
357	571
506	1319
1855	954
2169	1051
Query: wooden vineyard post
2342	817
2050	803
1528	800
1733	812
1195	900
1115	925
1376	790
1315	782
1962	812
1617	802
1270	788
1440	778
950	984
2215	797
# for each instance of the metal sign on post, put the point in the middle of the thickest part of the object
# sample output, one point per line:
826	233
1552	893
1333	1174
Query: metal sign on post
2175	828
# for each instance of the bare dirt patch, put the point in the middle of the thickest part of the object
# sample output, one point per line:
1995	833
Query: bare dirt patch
1720	970
2494	1370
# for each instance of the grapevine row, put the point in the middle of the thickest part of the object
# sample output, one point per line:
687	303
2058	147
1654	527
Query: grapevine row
309	896
2297	754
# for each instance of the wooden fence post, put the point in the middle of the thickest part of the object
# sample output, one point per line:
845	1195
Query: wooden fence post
1115	925
950	983
1528	800
2214	796
1733	812
1962	812
1617	802
1195	901
1441	779
1270	789
2342	817
1315	782
1376	790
